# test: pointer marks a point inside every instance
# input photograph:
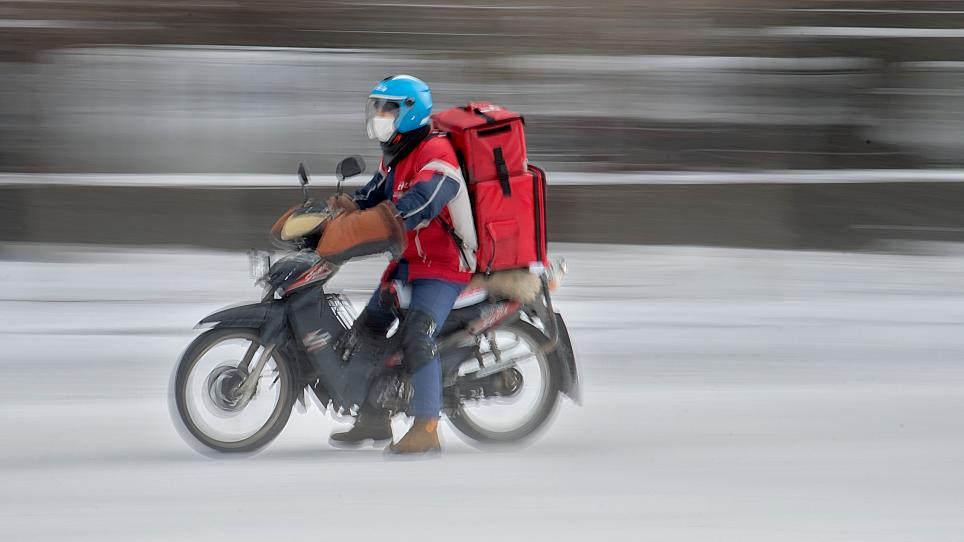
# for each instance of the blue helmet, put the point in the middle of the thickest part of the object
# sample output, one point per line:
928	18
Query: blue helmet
407	97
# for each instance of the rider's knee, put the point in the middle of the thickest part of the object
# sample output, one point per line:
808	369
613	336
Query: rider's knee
418	339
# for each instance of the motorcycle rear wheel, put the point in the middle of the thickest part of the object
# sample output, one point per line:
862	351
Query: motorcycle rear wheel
188	411
471	420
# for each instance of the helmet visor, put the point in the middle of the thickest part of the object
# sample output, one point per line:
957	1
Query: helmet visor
380	113
383	105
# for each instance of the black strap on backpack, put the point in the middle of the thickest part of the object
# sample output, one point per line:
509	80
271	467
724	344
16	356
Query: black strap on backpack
459	243
502	171
488	118
458	156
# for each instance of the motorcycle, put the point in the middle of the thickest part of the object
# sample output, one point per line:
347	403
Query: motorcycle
505	360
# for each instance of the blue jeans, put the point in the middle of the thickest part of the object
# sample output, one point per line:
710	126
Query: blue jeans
434	297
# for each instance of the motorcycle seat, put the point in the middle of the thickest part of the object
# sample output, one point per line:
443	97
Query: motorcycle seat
470	296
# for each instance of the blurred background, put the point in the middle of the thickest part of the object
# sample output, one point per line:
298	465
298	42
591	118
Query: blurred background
250	86
760	202
827	124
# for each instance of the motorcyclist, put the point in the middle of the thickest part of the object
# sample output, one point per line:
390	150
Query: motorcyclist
420	188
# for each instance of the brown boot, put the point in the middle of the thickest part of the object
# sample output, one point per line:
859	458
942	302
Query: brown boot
373	426
422	438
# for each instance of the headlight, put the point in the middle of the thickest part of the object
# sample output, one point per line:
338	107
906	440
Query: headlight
301	225
259	261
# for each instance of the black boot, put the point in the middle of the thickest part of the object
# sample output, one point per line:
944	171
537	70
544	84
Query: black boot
375	426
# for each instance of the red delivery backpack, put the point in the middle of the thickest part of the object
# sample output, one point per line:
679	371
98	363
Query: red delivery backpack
508	194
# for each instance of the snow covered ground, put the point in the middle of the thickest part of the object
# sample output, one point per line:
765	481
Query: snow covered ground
728	395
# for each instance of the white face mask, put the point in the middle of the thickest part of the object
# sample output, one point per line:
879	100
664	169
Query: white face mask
382	128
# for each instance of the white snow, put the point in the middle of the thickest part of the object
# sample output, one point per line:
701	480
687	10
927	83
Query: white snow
728	395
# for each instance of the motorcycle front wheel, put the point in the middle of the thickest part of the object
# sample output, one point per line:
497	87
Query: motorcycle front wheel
526	393
208	408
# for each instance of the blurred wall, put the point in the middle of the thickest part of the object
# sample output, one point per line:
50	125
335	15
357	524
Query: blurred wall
261	110
240	86
840	216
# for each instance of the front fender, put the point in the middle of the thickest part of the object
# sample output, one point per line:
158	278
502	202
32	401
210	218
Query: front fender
268	317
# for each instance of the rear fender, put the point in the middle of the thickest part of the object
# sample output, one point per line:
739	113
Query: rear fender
566	358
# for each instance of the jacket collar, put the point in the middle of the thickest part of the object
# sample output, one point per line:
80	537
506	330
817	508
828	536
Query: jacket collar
402	145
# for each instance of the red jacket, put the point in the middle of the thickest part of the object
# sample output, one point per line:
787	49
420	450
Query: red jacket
427	188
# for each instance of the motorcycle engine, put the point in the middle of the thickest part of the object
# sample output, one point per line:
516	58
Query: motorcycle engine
390	392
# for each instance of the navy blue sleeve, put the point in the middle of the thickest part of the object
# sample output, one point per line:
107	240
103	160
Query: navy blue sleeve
426	199
372	193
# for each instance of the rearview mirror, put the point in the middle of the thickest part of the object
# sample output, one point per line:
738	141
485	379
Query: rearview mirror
349	167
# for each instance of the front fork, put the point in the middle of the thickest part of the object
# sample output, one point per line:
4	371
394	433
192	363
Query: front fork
273	335
250	383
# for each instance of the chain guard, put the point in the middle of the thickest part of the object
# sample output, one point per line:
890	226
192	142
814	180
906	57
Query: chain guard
505	383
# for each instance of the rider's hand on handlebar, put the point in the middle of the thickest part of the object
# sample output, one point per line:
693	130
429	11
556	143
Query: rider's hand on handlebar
343	202
362	233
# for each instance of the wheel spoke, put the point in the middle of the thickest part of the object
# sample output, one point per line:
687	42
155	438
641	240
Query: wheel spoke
212	387
517	405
